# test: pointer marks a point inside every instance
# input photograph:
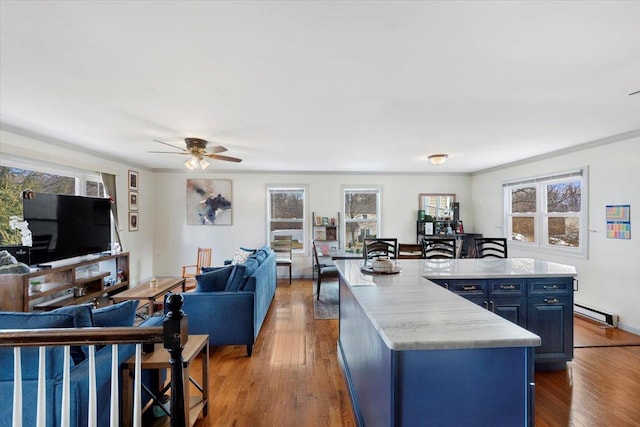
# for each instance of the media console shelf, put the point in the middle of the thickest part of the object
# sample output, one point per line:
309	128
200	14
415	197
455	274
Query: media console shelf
57	284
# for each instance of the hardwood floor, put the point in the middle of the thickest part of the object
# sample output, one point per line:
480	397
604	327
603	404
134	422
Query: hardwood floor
293	378
601	386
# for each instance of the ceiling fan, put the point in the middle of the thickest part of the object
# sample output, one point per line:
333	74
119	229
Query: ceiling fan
197	149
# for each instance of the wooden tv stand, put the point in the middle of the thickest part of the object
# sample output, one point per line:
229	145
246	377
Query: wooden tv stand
57	283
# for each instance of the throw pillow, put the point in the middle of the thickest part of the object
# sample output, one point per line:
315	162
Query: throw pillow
215	280
260	255
236	279
82	318
121	314
82	315
250	266
12	320
240	256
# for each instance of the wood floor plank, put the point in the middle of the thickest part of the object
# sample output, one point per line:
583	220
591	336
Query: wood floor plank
293	377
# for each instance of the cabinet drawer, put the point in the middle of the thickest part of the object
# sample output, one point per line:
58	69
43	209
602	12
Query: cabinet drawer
507	287
467	287
550	286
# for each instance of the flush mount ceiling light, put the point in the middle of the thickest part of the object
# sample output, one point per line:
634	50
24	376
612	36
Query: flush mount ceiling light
438	159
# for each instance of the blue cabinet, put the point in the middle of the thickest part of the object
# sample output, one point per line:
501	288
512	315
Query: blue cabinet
445	387
550	315
507	298
543	306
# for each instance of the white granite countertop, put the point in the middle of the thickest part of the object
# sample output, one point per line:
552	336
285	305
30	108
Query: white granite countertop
412	313
494	268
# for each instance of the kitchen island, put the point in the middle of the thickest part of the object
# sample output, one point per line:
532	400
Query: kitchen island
415	353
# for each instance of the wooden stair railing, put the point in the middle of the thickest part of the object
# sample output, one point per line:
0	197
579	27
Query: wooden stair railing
173	334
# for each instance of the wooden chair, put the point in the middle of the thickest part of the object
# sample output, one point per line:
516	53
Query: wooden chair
325	271
203	260
380	247
410	251
282	245
495	247
441	248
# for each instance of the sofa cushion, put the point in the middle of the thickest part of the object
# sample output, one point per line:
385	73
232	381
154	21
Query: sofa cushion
214	280
259	256
240	256
250	266
12	320
236	279
121	314
82	314
82	318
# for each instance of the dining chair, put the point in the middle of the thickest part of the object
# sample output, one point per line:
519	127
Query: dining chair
410	251
380	247
282	245
495	247
441	248
325	271
189	272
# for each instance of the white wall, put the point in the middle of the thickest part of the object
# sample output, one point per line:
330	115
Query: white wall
175	242
610	278
30	151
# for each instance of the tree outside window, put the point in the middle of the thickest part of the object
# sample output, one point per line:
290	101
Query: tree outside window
286	214
361	218
548	211
12	182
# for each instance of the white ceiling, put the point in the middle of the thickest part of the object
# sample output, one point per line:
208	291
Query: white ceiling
322	86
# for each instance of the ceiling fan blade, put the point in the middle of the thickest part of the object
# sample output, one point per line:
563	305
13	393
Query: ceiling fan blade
167	152
225	158
217	149
178	148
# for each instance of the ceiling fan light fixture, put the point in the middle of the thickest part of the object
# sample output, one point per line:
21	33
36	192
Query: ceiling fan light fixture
192	163
438	159
203	163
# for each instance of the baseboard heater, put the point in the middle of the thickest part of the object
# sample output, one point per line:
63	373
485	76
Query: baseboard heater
597	315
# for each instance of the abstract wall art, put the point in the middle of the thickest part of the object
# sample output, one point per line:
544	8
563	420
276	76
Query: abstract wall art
209	202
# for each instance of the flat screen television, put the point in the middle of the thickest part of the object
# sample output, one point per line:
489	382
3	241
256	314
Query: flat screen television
67	226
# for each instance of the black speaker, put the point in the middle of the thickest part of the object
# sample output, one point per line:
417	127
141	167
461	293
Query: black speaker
456	211
20	253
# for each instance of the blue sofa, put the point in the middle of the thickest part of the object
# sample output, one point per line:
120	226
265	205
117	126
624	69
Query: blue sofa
231	302
122	314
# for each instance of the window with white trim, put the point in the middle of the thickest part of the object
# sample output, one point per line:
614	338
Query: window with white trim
16	177
548	212
286	213
361	219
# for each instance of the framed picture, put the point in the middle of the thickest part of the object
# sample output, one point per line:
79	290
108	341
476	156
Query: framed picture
133	180
133	200
209	202
318	220
133	221
320	234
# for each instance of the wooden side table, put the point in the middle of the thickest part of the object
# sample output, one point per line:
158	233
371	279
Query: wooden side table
197	345
143	291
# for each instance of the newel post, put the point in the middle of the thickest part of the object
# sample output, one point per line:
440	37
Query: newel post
175	338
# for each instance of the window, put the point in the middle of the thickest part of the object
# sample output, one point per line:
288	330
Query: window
14	178
548	212
94	187
361	216
286	213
